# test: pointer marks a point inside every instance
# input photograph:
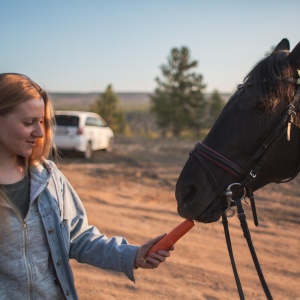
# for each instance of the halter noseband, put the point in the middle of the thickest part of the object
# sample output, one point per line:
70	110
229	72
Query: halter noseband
258	160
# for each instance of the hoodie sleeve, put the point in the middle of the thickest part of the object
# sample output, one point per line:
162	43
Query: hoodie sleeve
86	243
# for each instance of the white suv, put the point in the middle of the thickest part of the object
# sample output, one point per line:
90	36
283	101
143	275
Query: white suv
82	132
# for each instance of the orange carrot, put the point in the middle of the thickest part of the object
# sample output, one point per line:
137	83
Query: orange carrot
173	236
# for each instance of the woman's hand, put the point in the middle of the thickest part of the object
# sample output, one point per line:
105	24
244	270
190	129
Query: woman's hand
153	260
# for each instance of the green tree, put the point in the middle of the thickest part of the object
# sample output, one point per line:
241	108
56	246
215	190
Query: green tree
215	107
107	106
178	101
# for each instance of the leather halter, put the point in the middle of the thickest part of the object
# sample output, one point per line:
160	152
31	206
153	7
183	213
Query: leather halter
258	160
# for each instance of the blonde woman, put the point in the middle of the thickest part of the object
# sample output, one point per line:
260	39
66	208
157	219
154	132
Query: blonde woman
42	220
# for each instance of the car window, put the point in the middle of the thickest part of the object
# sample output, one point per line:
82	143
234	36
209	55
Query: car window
102	122
99	123
90	121
67	120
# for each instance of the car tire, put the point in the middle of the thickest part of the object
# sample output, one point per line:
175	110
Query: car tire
88	151
110	145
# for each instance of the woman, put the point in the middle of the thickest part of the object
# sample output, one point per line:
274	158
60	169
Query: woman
43	222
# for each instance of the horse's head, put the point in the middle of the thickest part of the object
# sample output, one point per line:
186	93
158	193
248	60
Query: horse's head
255	140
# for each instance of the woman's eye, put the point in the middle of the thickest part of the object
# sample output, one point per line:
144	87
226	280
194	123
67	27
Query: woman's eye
30	123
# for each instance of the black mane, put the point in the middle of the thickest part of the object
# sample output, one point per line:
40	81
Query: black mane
270	80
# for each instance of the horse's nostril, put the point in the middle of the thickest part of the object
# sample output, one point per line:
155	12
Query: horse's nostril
191	191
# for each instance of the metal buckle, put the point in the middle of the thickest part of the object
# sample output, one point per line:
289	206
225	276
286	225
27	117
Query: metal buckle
230	212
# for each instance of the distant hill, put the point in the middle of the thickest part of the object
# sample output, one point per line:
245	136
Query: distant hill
82	101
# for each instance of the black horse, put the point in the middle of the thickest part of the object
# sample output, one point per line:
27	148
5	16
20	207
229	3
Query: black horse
255	140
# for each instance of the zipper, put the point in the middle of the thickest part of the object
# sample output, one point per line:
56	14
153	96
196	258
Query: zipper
27	259
24	222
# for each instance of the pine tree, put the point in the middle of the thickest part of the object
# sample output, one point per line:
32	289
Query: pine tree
178	101
107	106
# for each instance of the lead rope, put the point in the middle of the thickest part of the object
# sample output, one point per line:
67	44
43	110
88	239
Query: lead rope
244	226
230	252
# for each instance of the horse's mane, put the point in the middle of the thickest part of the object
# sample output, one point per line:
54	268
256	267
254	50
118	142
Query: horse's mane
270	80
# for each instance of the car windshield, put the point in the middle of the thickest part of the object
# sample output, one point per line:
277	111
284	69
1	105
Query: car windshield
66	120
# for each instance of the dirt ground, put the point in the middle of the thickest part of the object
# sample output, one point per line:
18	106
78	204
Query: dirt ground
130	193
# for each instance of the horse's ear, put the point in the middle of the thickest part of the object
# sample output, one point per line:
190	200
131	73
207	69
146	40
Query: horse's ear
294	57
284	44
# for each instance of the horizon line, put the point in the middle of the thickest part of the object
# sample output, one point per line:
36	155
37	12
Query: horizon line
121	92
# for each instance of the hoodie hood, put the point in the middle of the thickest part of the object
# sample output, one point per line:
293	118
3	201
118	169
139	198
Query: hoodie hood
40	175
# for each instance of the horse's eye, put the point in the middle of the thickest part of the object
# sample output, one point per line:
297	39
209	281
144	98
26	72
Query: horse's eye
259	106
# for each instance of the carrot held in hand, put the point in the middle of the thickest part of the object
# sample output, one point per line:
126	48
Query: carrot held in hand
173	236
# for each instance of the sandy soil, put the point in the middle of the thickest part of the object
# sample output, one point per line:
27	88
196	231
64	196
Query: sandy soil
130	193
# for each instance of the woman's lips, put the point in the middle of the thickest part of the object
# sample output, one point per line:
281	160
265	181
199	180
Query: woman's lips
32	143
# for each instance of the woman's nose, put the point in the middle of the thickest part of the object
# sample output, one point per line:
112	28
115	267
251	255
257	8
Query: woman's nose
38	131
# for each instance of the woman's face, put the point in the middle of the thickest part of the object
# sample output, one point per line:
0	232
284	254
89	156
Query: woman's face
20	129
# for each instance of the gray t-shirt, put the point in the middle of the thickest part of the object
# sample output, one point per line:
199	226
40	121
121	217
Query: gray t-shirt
19	194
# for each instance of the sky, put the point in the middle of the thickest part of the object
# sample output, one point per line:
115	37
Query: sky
85	45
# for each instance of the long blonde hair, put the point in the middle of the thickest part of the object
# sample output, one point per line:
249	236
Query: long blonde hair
16	88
